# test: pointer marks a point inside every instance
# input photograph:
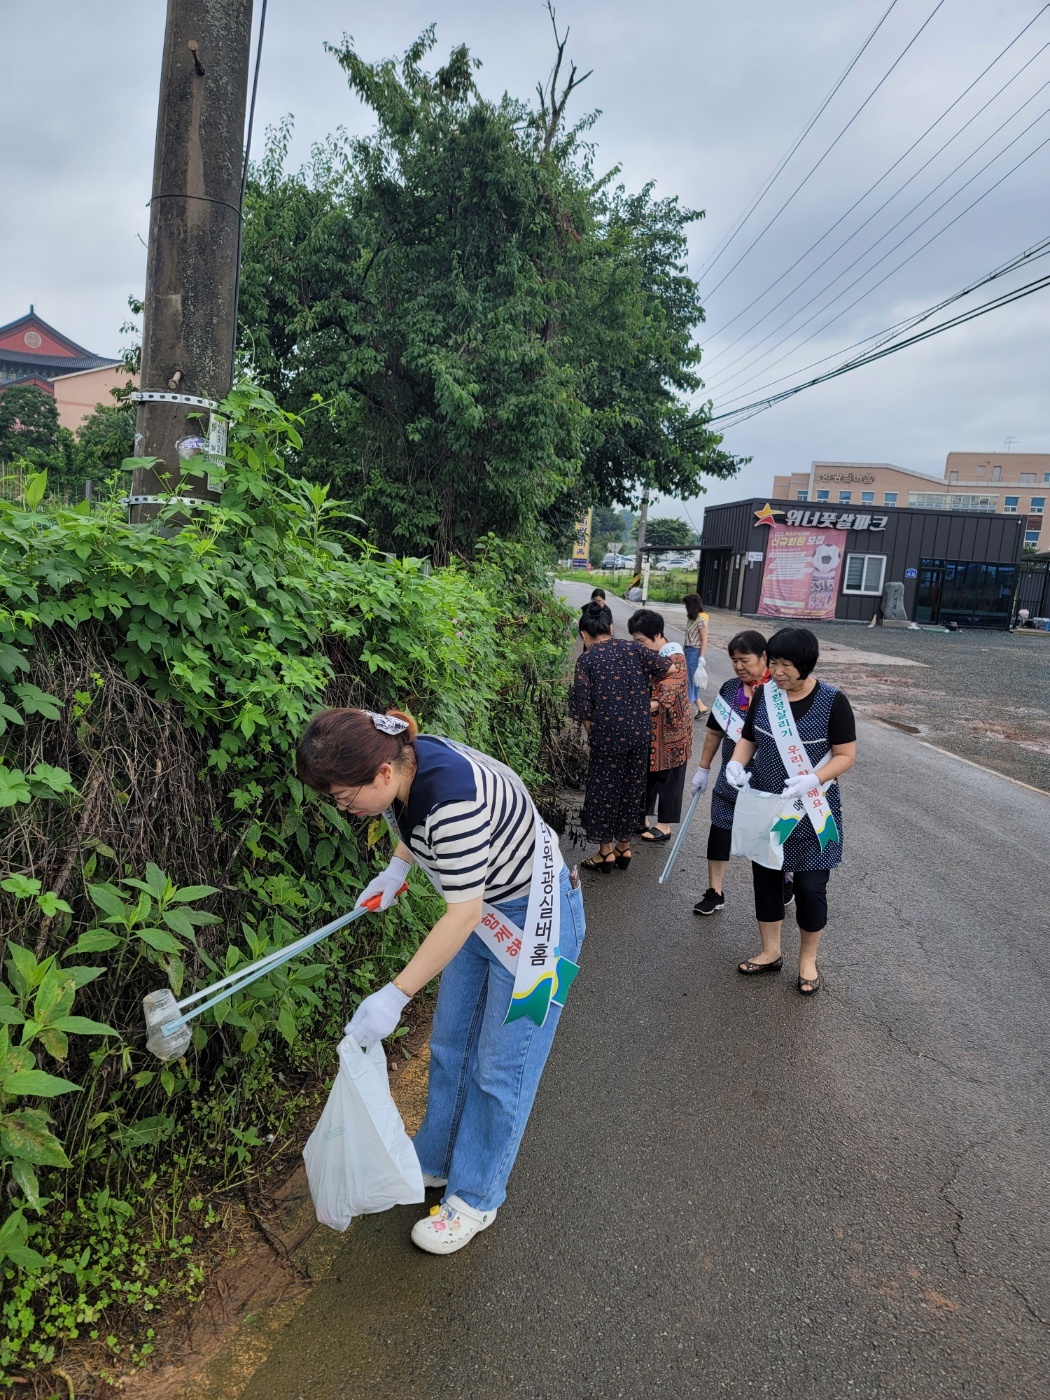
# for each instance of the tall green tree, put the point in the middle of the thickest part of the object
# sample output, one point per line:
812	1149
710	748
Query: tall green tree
28	420
663	529
480	335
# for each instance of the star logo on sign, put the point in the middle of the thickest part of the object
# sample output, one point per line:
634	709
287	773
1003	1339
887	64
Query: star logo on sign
767	515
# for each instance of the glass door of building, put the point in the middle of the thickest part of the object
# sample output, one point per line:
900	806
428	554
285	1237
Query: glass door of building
931	590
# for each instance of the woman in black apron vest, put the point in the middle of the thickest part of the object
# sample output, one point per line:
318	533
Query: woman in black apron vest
827	732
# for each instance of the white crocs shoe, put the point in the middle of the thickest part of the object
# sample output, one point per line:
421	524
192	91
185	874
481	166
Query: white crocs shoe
430	1181
450	1226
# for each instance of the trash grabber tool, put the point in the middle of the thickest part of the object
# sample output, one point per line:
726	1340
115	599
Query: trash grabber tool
167	1021
681	837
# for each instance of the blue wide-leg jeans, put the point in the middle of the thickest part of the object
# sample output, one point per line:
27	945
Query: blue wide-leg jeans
483	1074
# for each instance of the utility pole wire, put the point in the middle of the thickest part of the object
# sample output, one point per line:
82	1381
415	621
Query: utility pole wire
1030	255
871	188
899	244
771	181
813	169
750	410
744	354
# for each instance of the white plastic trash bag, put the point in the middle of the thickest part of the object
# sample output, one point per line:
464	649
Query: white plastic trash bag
359	1159
700	675
754	814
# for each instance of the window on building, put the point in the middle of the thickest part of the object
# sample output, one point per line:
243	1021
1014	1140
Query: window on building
1038	502
868	497
845	497
1046	478
890	498
1010	505
937	500
801	495
997	473
823	495
953	477
1028	478
982	471
1031	539
864	573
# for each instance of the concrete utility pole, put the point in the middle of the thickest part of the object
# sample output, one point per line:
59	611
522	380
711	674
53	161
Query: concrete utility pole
641	532
191	271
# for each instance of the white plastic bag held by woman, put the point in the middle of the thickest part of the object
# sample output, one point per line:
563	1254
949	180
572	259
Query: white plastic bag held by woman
754	814
359	1159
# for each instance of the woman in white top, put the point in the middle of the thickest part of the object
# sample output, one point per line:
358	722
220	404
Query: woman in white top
470	823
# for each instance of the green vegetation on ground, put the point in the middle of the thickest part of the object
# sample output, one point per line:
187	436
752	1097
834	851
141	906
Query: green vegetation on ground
154	685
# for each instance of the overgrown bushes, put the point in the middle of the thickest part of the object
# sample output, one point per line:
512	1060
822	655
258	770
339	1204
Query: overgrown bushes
154	686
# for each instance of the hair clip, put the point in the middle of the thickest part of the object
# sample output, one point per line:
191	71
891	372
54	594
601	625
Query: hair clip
387	724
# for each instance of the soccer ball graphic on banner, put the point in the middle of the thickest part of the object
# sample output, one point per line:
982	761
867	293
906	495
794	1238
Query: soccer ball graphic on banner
826	558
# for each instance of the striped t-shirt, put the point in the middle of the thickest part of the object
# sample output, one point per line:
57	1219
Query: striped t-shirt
469	821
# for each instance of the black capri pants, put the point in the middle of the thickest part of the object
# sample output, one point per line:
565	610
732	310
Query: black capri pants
719	840
811	896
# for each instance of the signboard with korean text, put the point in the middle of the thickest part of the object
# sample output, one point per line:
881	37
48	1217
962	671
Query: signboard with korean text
803	567
581	543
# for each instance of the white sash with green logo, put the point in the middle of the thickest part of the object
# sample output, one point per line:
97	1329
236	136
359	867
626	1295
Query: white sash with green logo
813	803
731	720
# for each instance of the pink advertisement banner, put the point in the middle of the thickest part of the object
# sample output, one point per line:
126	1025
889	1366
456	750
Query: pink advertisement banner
802	572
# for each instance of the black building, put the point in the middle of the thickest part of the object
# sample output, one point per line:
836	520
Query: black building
956	566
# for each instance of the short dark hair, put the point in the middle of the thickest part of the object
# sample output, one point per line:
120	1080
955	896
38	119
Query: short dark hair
596	620
749	643
598	593
649	623
797	645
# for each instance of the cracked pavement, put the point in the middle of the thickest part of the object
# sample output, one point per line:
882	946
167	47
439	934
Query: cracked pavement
728	1190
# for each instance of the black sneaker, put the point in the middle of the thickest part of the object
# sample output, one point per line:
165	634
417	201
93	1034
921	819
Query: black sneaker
711	903
789	893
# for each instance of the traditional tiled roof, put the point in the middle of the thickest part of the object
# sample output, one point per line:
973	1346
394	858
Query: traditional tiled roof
65	356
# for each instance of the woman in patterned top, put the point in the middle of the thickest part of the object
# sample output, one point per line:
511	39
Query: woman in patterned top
827	733
695	644
747	652
672	744
610	695
469	821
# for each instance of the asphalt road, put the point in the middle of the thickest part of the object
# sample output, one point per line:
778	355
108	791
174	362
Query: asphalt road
727	1190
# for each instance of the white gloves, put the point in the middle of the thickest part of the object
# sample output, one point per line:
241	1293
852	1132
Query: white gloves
700	781
387	885
378	1015
700	675
736	775
799	784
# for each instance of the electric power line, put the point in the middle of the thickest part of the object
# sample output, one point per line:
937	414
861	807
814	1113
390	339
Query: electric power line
759	406
878	338
747	369
829	149
871	188
742	219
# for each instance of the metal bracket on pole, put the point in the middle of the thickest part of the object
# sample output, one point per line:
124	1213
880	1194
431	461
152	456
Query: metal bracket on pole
168	501
165	396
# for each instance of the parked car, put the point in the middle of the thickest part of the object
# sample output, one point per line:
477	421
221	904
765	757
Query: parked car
673	562
618	561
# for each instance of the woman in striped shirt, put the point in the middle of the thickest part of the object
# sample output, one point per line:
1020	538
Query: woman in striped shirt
469	822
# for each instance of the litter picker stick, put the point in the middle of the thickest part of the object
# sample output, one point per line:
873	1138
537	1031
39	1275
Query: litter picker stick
681	837
167	1021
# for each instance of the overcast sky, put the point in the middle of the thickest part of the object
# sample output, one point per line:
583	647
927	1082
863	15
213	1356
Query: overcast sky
705	98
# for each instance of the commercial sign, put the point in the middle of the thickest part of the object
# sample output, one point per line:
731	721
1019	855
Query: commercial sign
581	543
802	572
834	520
845	478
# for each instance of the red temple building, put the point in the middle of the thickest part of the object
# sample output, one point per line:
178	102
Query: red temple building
32	352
